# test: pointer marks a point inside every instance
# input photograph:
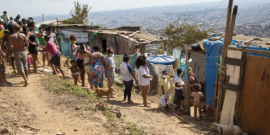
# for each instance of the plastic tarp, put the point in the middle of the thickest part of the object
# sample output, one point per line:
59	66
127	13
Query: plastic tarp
211	48
211	69
161	59
65	47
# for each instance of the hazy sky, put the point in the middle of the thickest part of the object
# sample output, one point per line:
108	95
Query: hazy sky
39	7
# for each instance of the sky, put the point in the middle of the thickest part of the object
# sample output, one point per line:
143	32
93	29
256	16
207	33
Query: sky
48	7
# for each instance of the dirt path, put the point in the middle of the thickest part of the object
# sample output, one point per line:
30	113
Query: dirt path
27	110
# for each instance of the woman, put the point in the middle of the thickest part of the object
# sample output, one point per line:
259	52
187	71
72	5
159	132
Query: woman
97	67
42	44
143	77
127	77
52	39
80	62
33	44
56	56
110	70
87	58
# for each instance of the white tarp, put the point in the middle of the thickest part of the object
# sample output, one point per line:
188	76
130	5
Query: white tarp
81	36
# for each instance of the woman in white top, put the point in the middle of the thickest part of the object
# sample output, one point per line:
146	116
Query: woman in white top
143	77
179	93
127	77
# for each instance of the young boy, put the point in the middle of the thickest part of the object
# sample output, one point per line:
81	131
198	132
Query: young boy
165	85
197	101
74	71
179	88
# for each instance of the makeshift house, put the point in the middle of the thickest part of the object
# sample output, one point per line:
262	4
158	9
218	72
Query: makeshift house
242	98
126	39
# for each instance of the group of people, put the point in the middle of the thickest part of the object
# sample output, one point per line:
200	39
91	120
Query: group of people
20	43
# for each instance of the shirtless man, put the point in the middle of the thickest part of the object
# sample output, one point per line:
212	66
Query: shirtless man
19	43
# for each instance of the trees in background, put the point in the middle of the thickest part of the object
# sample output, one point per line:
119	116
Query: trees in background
79	14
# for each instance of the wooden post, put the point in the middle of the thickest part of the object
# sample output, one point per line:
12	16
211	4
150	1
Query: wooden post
43	17
230	35
57	25
224	55
187	95
216	84
165	46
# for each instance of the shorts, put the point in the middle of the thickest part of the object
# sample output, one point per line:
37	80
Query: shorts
32	49
179	94
197	104
21	60
43	47
80	63
56	59
2	68
166	95
110	75
74	57
87	69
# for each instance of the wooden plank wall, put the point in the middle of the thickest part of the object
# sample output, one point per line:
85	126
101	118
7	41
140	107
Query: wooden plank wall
255	104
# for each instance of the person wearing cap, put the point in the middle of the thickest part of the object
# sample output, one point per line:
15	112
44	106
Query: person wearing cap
5	17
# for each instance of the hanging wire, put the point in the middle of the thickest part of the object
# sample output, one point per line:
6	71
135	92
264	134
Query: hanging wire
221	16
213	8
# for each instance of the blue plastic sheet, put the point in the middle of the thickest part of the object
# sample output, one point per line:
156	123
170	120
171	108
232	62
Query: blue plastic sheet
211	69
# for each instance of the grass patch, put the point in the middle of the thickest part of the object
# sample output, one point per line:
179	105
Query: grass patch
55	84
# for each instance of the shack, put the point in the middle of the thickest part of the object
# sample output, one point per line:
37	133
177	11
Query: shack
126	39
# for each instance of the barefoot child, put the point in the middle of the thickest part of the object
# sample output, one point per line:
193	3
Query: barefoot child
75	72
29	61
197	101
165	85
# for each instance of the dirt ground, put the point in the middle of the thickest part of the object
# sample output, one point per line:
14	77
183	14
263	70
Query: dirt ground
35	110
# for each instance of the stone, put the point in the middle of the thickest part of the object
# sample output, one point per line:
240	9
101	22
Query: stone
4	131
15	104
60	133
76	129
46	112
78	107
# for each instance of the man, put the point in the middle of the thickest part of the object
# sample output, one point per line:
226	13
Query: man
11	20
24	27
5	17
17	19
18	42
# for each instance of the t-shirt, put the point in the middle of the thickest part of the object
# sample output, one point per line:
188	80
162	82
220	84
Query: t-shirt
51	48
125	70
2	34
143	71
165	83
197	96
41	41
177	79
110	62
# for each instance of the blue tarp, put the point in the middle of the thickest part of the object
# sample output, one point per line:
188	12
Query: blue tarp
161	59
211	68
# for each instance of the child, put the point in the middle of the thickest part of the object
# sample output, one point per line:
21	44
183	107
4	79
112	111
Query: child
74	71
29	61
197	101
179	88
165	85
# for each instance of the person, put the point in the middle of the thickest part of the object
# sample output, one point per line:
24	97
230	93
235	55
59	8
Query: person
52	35
197	101
29	62
143	77
42	44
19	42
56	56
9	51
165	85
24	26
3	81
21	25
80	62
17	19
5	17
179	88
97	68
11	20
75	72
87	58
1	24
33	44
73	46
127	76
110	70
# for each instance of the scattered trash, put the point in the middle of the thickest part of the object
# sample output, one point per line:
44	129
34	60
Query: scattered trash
60	133
47	70
4	131
76	129
78	107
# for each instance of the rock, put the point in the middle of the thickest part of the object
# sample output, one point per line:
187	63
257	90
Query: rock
76	129
4	131
118	114
60	133
46	112
15	104
78	107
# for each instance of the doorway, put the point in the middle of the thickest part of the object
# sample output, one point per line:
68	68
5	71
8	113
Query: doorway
104	46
